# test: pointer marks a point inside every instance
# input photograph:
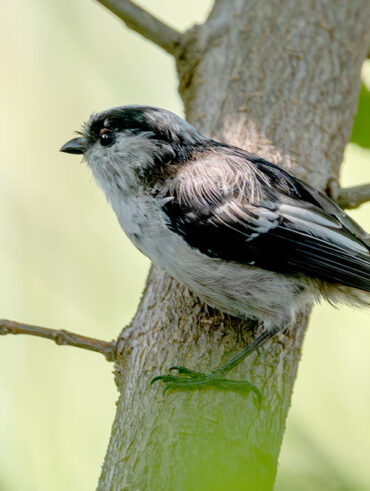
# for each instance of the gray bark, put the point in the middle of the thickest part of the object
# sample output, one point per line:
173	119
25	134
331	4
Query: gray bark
279	78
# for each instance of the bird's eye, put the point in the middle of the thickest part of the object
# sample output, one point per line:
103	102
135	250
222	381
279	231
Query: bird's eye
107	137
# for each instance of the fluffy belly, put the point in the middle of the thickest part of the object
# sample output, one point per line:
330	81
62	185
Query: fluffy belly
232	288
242	291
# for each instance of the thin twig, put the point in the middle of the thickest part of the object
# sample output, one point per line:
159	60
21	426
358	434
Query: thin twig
354	196
145	24
60	337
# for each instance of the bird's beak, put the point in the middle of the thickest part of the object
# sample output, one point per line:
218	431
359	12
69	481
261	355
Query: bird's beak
77	145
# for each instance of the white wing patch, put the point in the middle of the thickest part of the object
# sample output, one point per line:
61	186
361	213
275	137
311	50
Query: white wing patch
258	220
313	223
261	220
307	215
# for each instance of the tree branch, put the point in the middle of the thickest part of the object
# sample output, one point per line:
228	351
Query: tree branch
353	197
61	337
144	23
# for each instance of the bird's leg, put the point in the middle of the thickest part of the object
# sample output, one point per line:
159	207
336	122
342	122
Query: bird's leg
190	379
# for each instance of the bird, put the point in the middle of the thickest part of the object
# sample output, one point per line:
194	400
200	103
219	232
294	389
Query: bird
244	235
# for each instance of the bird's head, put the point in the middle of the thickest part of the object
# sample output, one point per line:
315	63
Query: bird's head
130	146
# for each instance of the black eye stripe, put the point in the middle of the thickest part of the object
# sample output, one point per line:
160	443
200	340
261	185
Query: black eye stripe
132	120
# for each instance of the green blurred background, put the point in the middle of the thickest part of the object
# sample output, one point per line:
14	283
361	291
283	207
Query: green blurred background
66	264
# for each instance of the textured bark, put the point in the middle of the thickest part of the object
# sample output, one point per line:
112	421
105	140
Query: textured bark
281	79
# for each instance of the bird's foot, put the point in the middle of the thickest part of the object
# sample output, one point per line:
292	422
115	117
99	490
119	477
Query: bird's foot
190	380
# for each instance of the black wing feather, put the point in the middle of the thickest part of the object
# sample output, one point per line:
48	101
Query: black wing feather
293	229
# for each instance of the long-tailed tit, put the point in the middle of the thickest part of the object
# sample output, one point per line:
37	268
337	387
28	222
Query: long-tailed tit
243	234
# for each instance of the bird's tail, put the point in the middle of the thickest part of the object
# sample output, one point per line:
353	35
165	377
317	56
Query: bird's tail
336	293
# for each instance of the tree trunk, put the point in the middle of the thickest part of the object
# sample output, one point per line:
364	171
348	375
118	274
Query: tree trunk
279	78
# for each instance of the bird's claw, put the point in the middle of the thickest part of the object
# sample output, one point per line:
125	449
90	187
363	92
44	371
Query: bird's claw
191	380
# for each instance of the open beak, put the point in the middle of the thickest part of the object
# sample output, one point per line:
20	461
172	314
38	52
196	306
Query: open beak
77	145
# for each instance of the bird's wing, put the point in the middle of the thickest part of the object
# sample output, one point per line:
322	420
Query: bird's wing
289	228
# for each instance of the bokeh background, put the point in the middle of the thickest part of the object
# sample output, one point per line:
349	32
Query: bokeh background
66	264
